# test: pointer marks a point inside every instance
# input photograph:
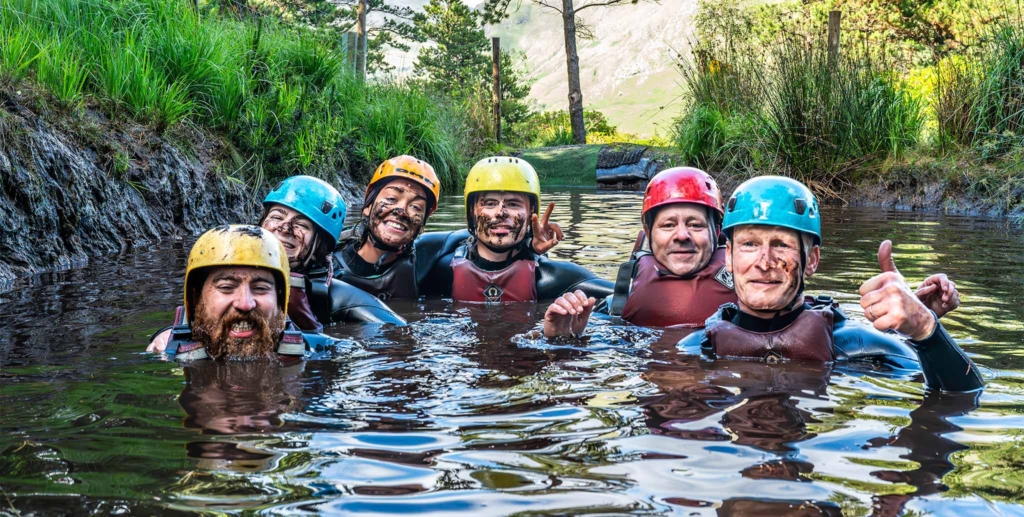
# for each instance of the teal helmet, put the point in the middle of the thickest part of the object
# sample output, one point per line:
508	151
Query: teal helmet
773	201
314	198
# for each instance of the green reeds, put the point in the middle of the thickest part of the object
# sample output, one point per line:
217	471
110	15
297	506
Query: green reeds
789	109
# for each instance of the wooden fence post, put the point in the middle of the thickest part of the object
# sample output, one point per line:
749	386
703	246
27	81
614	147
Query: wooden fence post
834	18
496	96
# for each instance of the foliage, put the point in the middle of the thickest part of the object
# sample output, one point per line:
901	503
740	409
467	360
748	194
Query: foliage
457	69
282	96
458	61
553	128
758	101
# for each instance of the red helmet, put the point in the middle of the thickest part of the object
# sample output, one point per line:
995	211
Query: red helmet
682	185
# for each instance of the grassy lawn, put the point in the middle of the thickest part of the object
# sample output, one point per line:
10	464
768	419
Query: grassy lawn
571	165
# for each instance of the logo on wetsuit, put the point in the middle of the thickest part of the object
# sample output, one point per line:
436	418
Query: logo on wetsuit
492	294
724	277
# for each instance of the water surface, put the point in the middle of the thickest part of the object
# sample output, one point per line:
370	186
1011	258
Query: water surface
467	412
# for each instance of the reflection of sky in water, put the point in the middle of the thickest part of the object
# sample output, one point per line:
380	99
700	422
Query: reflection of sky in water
467	412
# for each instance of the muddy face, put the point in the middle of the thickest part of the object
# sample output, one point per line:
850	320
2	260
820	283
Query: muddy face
501	218
294	230
237	314
765	263
398	213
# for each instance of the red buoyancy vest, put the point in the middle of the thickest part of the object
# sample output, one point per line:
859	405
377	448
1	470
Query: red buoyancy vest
299	310
515	283
808	338
658	298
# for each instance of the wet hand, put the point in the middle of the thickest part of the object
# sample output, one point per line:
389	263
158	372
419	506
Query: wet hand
569	313
939	294
546	234
159	343
890	305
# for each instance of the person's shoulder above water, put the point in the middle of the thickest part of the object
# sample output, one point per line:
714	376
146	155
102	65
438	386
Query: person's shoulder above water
557	277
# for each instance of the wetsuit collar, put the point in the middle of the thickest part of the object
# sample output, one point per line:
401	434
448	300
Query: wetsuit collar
757	324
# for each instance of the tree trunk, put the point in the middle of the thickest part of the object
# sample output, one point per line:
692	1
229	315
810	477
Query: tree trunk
572	62
361	41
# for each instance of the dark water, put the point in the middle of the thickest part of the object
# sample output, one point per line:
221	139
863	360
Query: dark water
466	413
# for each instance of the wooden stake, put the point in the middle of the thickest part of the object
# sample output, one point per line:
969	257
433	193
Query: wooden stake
834	18
496	96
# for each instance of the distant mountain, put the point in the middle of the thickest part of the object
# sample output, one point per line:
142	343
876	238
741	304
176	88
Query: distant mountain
627	70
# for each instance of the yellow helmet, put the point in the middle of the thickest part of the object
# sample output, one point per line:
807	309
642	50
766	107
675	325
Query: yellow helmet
238	245
410	168
503	174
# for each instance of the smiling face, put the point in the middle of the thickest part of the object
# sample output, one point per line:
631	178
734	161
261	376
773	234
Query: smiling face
294	230
398	213
681	238
765	263
500	219
237	314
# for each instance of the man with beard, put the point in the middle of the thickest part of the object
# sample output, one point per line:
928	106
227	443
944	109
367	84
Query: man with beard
501	260
774	230
681	280
378	255
236	295
307	214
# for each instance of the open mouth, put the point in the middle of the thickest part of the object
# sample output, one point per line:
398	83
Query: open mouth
395	226
501	229
241	330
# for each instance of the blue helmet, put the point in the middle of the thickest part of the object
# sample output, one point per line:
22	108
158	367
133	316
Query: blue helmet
773	201
314	198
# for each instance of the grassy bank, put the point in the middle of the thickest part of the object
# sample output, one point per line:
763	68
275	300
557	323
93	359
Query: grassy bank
282	97
772	100
568	165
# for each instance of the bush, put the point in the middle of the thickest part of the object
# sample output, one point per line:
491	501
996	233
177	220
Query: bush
782	105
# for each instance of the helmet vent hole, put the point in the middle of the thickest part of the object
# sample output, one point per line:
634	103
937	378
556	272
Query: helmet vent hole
326	207
800	205
732	204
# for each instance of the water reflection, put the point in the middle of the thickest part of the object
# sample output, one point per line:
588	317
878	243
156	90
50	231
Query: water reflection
466	412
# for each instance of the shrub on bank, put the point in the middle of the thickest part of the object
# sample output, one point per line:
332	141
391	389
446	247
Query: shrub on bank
793	110
283	96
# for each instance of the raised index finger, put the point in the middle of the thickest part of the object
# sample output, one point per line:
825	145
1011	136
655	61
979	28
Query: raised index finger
547	214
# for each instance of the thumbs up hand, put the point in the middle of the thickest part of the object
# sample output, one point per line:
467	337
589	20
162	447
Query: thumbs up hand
889	303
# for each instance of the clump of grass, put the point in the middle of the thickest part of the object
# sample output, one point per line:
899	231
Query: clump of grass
281	94
784	106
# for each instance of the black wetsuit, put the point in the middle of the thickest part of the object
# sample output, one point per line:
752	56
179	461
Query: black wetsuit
945	366
346	303
394	280
436	250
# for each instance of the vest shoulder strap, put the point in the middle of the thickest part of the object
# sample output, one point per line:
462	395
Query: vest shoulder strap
180	343
292	342
319	295
623	281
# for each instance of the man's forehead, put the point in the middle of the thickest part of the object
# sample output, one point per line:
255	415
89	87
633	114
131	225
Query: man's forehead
686	210
767	231
500	195
403	185
287	212
241	273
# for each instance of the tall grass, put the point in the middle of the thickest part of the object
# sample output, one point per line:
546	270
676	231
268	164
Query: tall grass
980	95
282	95
787	108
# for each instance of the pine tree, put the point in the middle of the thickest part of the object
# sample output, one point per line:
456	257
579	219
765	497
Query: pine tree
459	59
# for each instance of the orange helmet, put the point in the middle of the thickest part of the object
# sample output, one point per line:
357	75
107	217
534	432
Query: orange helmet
410	168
